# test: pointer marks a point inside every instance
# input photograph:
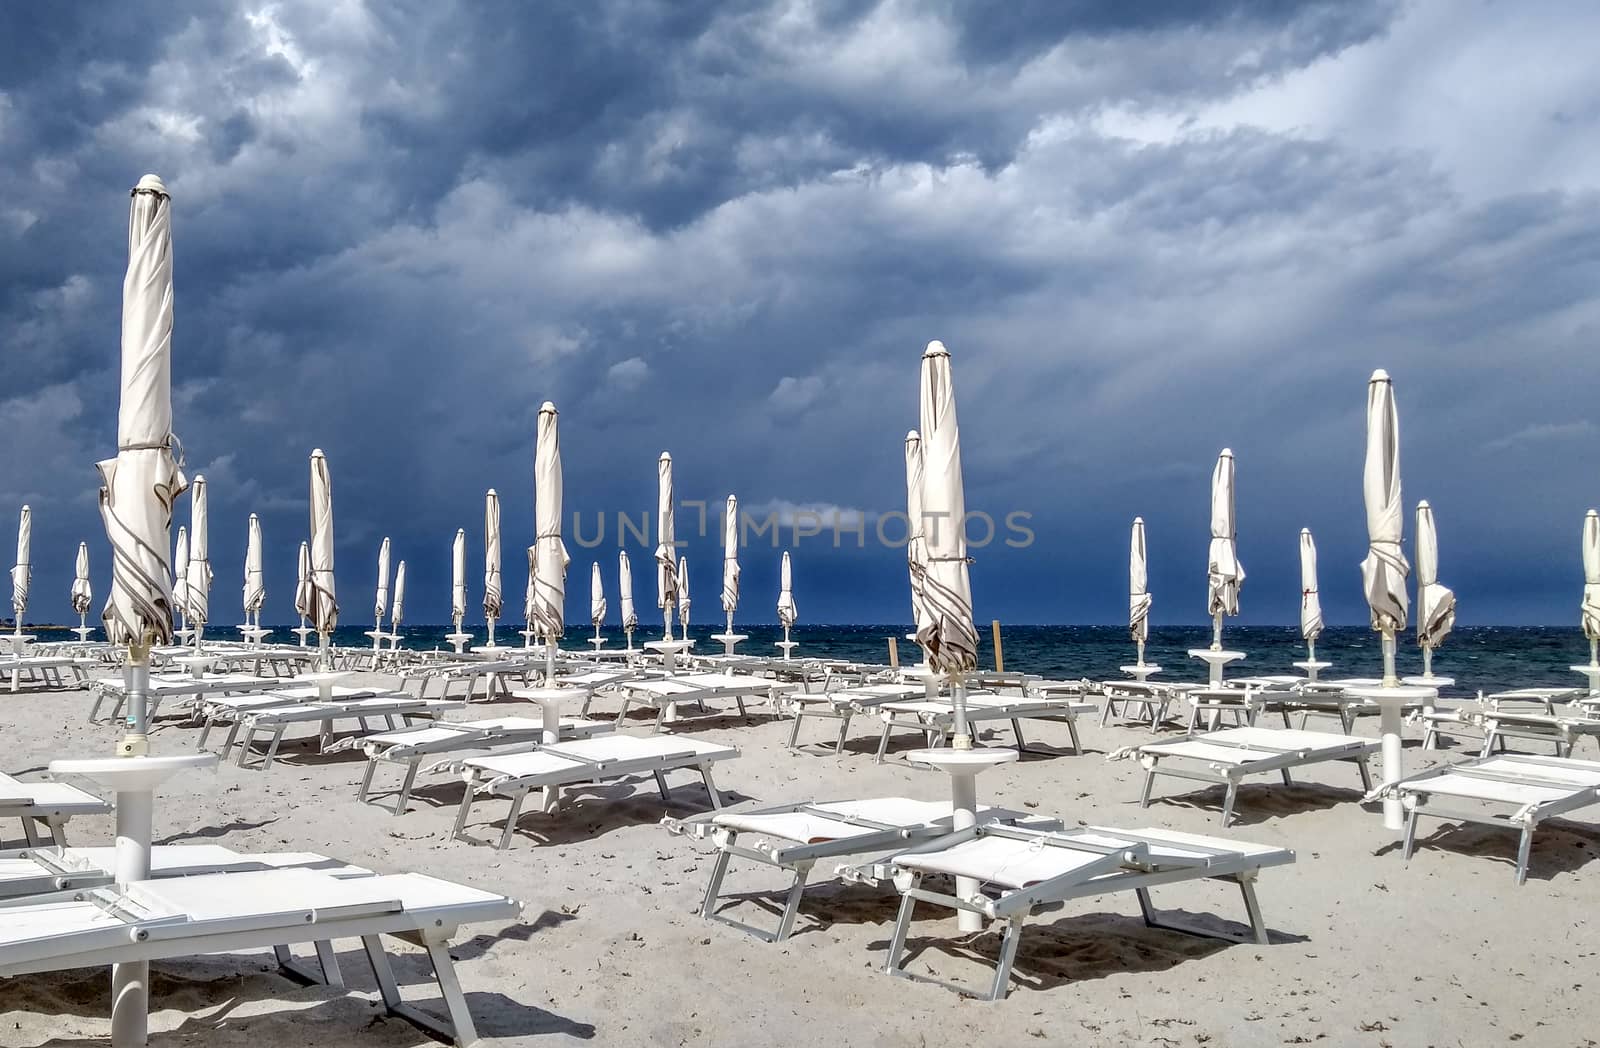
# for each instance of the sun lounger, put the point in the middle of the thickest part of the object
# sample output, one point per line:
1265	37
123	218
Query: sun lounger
795	837
1229	756
168	685
52	804
35	871
670	694
1565	730
1023	872
1514	790
843	704
493	672
160	919
935	718
1139	700
1464	720
548	768
276	719
211	710
409	747
51	671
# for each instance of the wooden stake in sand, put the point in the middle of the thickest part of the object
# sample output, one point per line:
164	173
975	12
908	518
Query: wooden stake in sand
894	654
999	656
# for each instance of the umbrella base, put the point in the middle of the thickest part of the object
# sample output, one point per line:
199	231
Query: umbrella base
1312	667
1214	661
1591	671
1140	670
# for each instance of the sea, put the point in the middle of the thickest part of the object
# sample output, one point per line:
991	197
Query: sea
1479	658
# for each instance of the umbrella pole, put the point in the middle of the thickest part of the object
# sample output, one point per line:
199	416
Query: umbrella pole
1139	647
324	658
1390	679
1311	650
788	645
1594	652
1427	660
550	661
628	633
962	739
130	982
490	642
1216	632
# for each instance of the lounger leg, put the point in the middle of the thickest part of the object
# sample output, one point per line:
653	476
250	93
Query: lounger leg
883	742
511	820
1194	718
902	924
205	733
1287	781
461	815
1430	737
245	744
1072	730
1016	729
792	905
58	831
1366	774
1149	783
794	730
330	964
1523	847
366	781
227	743
459	1029
711	786
1227	802
1285	714
272	750
719	870
455	1003
844	726
405	788
30	834
661	786
1105	711
1008	954
1252	906
1408	847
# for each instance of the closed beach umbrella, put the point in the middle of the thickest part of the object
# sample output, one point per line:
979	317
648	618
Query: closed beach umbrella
529	615
730	560
1224	573
788	614
22	572
597	597
138	489
666	542
683	596
916	548
492	599
947	635
630	617
398	608
180	573
380	599
302	586
199	575
1310	601
1591	576
1138	586
82	595
1436	604
458	578
550	594
324	602
1384	571
255	585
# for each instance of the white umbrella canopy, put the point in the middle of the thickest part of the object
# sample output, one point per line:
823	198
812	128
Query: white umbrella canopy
1310	600
458	577
140	485
324	604
597	597
666	542
730	560
916	548
1590	611
1224	574
1384	571
302	585
550	589
82	595
398	608
1436	604
380	597
531	616
493	601
22	572
788	614
947	635
199	575
180	573
630	617
1139	599
255	586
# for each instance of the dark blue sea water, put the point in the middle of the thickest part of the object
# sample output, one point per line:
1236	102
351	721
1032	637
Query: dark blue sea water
1479	658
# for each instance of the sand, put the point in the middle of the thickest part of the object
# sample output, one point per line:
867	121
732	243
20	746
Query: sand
1367	950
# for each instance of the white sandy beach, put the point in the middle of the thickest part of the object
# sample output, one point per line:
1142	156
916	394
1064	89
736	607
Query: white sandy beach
1367	950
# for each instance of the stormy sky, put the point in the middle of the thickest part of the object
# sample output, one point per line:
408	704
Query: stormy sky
728	229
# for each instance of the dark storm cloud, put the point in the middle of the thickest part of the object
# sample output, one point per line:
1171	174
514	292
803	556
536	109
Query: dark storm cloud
728	229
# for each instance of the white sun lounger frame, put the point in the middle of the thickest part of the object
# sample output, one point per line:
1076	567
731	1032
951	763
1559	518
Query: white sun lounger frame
483	781
159	930
1286	749
46	669
1127	860
277	719
52	803
799	857
166	686
843	704
1512	800
935	718
650	691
